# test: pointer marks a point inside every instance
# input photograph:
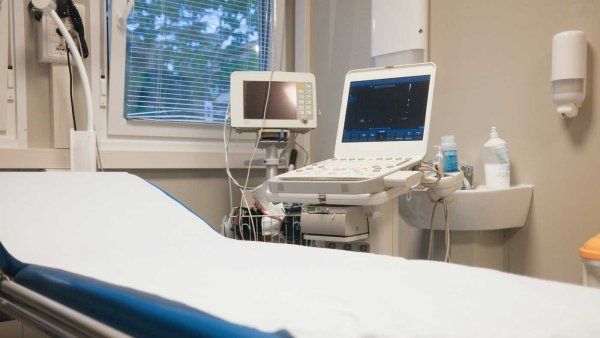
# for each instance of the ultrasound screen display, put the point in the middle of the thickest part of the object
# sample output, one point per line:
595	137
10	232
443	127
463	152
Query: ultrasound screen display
386	110
282	105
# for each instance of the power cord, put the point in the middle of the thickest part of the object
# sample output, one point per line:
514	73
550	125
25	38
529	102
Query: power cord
258	138
71	88
447	239
431	182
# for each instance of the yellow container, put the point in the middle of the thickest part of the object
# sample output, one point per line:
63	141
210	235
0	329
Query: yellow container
590	254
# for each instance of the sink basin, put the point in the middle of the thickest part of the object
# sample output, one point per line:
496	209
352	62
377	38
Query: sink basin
479	209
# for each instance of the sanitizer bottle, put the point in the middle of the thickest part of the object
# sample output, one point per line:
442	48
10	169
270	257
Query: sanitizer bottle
450	154
496	162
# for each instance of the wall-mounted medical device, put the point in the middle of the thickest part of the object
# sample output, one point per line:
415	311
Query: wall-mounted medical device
569	69
399	31
83	143
52	48
273	100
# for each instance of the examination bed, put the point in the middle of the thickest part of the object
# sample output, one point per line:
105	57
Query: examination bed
110	254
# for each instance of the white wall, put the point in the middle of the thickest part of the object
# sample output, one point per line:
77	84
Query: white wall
494	62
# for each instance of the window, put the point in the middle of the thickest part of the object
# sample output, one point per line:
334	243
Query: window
168	69
180	54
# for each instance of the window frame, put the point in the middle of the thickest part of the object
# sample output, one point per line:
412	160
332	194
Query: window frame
182	135
13	112
4	50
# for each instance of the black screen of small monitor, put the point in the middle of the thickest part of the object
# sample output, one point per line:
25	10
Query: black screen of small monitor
387	109
282	100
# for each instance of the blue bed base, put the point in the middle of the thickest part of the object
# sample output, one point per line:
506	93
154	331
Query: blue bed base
132	312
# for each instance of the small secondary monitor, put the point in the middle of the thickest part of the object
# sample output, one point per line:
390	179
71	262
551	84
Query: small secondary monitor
279	100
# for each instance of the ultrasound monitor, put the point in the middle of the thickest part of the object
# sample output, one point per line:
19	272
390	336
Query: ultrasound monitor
386	112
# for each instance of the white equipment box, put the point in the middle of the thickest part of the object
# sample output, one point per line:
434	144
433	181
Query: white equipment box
336	222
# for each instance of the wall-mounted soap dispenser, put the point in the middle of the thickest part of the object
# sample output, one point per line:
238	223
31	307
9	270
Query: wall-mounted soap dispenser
569	67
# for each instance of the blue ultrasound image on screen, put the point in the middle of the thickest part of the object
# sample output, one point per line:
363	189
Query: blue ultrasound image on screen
386	110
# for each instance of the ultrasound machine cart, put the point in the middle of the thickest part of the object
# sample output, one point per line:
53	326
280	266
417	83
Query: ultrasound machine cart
351	200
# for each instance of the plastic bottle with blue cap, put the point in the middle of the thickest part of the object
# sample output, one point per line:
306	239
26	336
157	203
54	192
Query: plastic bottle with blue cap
450	152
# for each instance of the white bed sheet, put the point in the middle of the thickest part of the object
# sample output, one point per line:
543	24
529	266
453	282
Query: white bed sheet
117	228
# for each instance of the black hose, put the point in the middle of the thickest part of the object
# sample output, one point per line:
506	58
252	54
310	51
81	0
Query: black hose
78	25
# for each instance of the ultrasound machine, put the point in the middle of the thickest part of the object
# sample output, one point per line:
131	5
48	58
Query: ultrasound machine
382	134
383	128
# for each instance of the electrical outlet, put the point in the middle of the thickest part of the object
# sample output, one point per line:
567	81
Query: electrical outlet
52	48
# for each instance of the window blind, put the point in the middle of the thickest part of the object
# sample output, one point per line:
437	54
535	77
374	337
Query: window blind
180	54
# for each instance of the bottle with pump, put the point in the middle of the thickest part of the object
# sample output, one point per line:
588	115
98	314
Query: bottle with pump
496	162
450	153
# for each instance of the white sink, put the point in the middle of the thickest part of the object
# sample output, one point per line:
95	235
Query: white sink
479	209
